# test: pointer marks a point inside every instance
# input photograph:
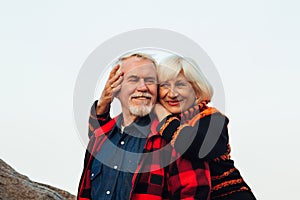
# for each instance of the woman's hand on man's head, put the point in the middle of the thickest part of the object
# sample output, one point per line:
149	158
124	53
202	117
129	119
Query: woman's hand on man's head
111	89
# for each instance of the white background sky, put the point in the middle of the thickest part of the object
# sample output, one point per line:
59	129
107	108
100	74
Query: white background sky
254	45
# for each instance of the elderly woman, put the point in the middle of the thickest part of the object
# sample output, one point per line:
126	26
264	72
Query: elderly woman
186	120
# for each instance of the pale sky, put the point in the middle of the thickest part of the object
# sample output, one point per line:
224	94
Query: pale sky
253	44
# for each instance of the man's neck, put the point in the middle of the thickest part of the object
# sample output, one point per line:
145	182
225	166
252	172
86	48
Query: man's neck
128	119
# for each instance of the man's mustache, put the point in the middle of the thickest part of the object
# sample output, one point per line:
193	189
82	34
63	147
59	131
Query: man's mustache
141	94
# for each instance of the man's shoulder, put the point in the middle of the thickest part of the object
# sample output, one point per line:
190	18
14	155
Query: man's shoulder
106	128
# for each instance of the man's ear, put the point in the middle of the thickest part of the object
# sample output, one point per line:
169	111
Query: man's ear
117	95
157	98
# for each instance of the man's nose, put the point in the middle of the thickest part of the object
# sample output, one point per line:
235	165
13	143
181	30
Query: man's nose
141	85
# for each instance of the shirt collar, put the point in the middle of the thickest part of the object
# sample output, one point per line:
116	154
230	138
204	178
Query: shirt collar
139	128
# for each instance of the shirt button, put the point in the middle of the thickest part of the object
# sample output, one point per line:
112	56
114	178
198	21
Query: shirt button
93	175
122	142
115	167
107	192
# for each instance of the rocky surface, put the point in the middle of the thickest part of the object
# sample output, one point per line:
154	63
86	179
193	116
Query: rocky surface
14	186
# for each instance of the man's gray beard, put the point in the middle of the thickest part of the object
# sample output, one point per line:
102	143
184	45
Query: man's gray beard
141	110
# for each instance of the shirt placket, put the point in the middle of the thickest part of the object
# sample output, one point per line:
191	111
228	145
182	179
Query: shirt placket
115	172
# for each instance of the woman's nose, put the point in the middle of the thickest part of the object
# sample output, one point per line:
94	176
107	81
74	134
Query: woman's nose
172	93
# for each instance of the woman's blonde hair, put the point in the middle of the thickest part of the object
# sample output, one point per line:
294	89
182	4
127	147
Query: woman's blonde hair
170	67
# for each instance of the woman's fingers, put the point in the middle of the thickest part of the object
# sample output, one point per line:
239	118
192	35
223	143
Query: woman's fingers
115	90
112	86
116	81
114	71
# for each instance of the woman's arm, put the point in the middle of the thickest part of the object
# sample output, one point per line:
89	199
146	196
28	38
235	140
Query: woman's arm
111	88
99	114
188	140
96	121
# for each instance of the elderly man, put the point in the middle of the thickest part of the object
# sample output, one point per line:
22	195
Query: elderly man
118	162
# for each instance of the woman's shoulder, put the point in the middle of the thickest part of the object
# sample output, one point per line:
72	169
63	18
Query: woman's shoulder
202	112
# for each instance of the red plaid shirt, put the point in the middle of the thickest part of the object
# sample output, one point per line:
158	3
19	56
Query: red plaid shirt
189	180
180	180
226	181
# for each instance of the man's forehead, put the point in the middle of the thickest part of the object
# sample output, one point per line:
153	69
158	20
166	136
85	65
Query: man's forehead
135	61
139	68
141	71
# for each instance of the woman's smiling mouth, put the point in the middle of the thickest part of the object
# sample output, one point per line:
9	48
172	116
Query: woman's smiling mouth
174	102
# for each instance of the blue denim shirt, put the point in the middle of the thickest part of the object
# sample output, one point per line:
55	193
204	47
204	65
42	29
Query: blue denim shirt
113	168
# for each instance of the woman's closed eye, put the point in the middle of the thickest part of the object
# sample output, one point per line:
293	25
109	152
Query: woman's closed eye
181	84
165	85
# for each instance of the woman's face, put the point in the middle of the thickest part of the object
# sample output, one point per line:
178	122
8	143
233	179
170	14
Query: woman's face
176	95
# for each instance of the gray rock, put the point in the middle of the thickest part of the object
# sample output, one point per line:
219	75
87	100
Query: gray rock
14	186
